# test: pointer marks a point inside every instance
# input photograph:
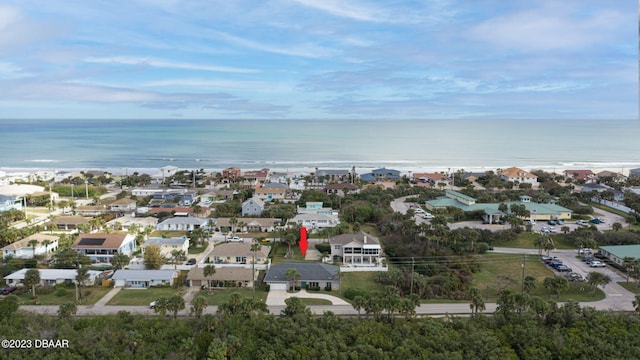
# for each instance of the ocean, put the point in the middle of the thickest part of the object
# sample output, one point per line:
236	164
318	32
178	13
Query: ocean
120	146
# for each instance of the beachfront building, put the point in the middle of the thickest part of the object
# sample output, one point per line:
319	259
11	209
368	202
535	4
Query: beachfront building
143	279
101	248
580	175
325	175
316	207
236	253
491	212
10	203
360	250
311	274
256	176
168	245
431	178
182	223
634	172
51	277
379	175
33	245
315	221
253	206
517	175
247	224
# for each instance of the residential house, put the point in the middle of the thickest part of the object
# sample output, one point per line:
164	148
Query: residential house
238	253
247	224
341	189
184	211
316	207
274	186
224	277
168	171
10	203
23	249
634	172
168	245
381	174
252	206
230	174
92	210
517	175
142	279
315	221
69	222
101	248
182	223
143	192
580	175
52	277
311	274
259	176
267	194
125	222
359	249
332	175
124	205
432	178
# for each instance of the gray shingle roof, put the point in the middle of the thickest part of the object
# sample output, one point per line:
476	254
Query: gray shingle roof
309	271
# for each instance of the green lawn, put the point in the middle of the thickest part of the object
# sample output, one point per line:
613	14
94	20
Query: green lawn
219	297
90	295
631	286
359	279
278	250
197	250
504	271
311	302
138	297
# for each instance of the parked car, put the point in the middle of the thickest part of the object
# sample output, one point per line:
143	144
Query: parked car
192	261
427	216
235	239
581	222
585	251
555	263
545	259
595	221
575	277
588	259
563	268
9	290
559	222
551	222
152	305
597	263
552	229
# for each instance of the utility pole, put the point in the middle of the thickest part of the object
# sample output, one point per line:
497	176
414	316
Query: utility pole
413	265
524	260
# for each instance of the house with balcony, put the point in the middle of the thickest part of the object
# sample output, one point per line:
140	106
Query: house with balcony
101	248
269	194
124	205
182	223
33	245
315	221
359	249
382	174
517	175
341	189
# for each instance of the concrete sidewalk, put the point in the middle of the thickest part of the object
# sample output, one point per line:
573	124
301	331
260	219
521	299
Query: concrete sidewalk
105	299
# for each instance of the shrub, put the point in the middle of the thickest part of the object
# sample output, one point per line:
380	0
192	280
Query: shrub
323	248
60	292
351	293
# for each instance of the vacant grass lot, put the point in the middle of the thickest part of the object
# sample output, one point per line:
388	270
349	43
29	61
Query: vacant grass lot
504	271
363	280
526	240
219	297
139	297
278	251
90	295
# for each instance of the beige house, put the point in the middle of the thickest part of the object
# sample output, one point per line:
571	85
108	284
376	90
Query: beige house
69	222
269	194
238	253
22	249
518	175
224	277
168	245
248	224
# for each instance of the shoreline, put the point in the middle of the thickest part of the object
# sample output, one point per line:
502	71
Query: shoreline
404	169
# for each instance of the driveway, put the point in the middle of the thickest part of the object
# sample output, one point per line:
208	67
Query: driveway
277	297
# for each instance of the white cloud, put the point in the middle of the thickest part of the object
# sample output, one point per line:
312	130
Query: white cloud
11	71
344	9
306	50
131	60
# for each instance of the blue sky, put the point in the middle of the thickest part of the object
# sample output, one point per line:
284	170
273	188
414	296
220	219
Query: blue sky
319	59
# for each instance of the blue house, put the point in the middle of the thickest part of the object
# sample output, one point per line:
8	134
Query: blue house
381	174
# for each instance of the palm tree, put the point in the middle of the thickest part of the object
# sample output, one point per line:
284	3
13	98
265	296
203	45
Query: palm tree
33	243
209	271
477	301
629	264
198	304
177	256
233	221
539	242
46	244
358	303
120	260
82	277
293	275
596	279
32	278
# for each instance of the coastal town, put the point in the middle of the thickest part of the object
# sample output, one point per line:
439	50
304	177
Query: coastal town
136	241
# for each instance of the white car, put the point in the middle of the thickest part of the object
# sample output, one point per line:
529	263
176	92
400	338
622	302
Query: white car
596	263
235	239
585	251
418	210
427	216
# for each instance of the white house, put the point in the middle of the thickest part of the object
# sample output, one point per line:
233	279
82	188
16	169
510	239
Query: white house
101	248
51	276
24	250
123	205
359	249
182	223
144	278
315	221
515	174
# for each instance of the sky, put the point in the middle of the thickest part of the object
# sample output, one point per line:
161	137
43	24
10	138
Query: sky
319	59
